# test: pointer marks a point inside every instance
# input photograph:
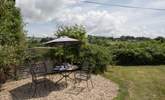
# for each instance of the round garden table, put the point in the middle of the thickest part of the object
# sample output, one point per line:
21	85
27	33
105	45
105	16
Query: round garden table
65	72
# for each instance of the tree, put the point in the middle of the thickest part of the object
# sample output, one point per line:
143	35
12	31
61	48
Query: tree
161	39
11	25
46	39
76	31
12	37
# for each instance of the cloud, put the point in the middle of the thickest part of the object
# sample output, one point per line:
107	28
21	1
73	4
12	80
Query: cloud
98	20
41	10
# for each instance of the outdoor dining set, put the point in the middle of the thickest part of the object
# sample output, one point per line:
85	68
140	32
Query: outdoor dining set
76	74
40	71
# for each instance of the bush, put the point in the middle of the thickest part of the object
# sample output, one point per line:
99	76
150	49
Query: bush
132	57
8	61
55	54
139	53
96	56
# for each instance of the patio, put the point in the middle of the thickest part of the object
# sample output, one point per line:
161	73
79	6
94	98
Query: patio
103	89
59	81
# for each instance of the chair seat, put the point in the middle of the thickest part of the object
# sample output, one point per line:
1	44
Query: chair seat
40	80
82	76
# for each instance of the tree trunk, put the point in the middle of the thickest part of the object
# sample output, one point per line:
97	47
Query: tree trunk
3	77
15	72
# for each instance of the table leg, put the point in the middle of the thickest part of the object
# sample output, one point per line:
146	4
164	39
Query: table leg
60	79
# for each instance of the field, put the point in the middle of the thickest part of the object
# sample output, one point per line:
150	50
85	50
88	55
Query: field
138	83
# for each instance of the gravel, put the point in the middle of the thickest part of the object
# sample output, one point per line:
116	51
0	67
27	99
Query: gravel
104	89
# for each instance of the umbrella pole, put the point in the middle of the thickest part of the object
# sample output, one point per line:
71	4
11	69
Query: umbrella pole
64	54
65	74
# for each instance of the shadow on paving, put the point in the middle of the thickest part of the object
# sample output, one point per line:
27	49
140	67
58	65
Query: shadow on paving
26	92
75	90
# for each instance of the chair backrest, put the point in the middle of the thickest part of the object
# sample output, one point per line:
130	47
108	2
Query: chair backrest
23	71
86	68
38	69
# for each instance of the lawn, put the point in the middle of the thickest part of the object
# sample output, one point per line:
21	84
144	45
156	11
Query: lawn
138	83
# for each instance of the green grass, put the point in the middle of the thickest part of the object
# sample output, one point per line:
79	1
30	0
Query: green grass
138	83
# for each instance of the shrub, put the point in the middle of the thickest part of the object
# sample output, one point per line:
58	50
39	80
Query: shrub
139	53
96	56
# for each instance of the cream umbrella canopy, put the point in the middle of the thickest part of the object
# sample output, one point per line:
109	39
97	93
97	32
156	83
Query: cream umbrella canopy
62	40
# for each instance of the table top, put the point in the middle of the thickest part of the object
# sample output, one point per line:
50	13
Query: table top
64	68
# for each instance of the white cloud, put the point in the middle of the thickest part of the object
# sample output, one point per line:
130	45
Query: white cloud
99	20
96	22
42	10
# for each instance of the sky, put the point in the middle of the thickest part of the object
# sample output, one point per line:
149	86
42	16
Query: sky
42	17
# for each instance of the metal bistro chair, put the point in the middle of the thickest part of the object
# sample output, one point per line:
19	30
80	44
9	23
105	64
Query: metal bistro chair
37	71
84	74
23	71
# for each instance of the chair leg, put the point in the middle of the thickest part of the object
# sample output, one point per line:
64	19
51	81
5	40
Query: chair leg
45	85
66	82
30	88
87	84
78	81
91	83
75	81
35	90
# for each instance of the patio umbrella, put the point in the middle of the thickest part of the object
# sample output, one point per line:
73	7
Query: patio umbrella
63	41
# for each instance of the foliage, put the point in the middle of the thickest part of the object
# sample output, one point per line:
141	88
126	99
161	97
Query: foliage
33	42
76	31
46	39
145	53
10	58
161	39
11	26
96	56
12	38
131	52
56	55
